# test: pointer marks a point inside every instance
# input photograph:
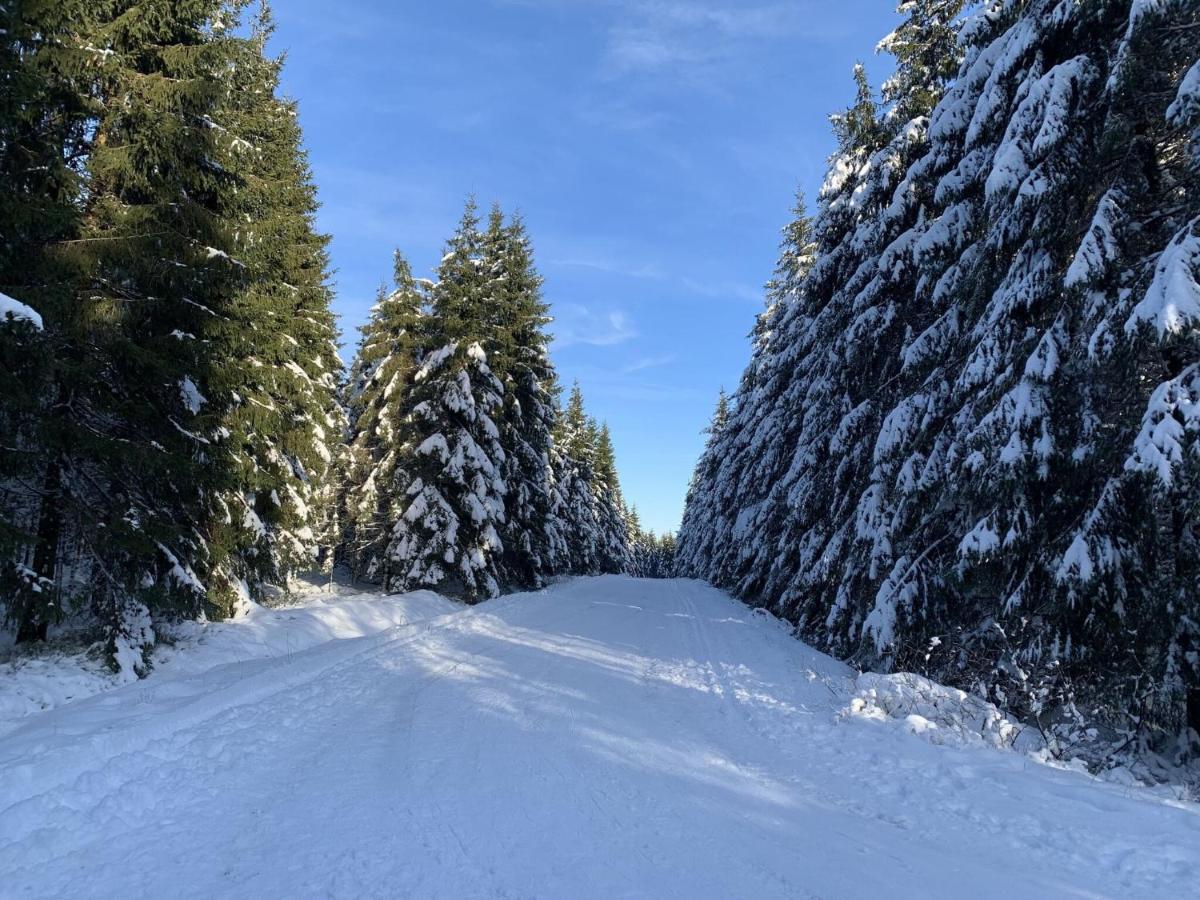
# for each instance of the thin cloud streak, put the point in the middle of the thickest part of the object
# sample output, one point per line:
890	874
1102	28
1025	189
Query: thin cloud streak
576	324
649	362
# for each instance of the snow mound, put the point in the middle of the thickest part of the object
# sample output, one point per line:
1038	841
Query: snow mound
939	714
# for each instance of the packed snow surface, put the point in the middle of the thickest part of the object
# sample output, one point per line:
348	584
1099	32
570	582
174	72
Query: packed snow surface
32	684
607	737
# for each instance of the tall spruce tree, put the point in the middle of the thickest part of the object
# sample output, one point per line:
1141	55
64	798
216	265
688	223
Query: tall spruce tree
44	112
702	496
518	348
130	288
925	47
574	499
278	345
613	537
378	401
449	534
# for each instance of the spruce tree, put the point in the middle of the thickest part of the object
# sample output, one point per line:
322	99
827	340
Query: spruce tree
574	500
925	47
43	133
519	357
986	417
378	402
449	534
278	347
130	294
614	538
699	512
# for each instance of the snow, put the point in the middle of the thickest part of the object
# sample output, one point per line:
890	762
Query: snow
1099	247
18	310
937	713
33	684
1173	409
1186	105
608	737
1172	302
193	400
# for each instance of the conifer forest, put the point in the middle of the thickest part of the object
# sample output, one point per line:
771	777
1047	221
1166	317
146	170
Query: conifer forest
292	603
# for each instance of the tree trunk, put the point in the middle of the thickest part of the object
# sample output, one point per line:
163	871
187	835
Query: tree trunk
34	621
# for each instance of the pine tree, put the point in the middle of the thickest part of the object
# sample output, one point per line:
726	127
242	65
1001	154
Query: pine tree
133	291
448	535
279	346
699	512
519	357
574	499
378	392
613	544
859	127
925	47
43	132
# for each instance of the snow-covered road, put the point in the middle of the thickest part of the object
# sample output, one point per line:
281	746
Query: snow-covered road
606	738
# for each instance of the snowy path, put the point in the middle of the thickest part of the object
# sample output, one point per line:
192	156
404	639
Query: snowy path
607	738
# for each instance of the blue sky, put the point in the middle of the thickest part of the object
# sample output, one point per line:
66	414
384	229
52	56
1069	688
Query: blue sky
653	147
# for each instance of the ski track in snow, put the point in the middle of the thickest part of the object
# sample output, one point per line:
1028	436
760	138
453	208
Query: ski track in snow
608	737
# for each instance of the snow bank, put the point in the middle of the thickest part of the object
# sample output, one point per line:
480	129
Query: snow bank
18	310
939	714
32	684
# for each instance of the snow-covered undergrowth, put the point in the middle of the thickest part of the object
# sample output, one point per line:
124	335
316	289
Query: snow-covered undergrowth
947	716
39	679
939	714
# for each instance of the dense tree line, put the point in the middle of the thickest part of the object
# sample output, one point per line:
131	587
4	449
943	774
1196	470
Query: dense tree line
966	442
173	437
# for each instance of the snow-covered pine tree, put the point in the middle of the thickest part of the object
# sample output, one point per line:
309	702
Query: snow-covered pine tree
749	450
573	500
925	47
139	281
378	401
613	537
283	421
822	354
518	354
633	528
449	534
699	513
1025	448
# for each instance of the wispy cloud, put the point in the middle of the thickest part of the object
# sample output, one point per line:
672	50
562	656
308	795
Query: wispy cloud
576	324
649	362
724	290
651	35
611	266
680	37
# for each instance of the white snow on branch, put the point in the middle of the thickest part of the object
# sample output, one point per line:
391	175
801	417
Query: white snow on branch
18	310
1173	410
1186	106
192	398
1099	247
1172	303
